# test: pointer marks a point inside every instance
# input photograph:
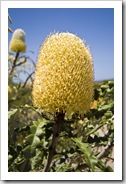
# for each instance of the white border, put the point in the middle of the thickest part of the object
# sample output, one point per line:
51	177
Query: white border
117	174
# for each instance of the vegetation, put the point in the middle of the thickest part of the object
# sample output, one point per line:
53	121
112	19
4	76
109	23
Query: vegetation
85	142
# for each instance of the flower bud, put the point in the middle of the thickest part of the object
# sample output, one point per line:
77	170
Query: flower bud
17	43
64	77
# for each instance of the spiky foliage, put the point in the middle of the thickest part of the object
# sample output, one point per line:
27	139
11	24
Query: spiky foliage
64	77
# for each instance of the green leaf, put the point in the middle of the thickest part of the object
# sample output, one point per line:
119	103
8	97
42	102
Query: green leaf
41	122
108	114
12	150
10	157
108	169
101	165
106	107
94	160
84	147
36	130
111	83
90	159
63	167
24	166
104	86
33	129
11	113
28	106
33	140
37	127
29	152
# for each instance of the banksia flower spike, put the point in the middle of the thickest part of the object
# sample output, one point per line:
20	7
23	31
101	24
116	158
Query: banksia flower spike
63	82
64	77
17	43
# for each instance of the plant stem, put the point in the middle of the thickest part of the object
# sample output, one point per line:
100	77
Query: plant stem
14	63
56	131
30	76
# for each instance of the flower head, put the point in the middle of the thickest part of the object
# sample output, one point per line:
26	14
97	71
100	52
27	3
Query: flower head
64	77
17	43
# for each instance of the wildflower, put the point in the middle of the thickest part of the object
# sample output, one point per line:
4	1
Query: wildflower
64	77
17	43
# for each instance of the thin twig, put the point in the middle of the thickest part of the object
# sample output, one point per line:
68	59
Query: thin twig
106	149
95	129
56	132
21	62
28	79
14	63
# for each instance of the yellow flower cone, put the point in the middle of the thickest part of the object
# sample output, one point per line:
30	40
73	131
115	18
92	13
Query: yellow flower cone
17	43
64	77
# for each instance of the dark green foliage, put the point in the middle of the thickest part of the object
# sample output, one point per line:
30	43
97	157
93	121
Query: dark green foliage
85	144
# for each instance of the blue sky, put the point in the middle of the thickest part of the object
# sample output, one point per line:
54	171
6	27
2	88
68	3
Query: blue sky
94	25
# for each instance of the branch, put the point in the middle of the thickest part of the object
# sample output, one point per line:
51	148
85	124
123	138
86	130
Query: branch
21	62
14	64
106	149
95	129
27	79
56	132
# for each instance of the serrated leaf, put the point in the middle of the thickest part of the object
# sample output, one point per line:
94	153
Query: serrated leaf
24	166
106	107
33	140
90	159
33	129
40	122
94	160
84	147
29	152
108	114
36	130
11	113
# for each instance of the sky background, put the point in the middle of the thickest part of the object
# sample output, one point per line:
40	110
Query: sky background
94	25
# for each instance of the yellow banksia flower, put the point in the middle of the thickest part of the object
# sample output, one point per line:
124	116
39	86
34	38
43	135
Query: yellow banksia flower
64	77
17	43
